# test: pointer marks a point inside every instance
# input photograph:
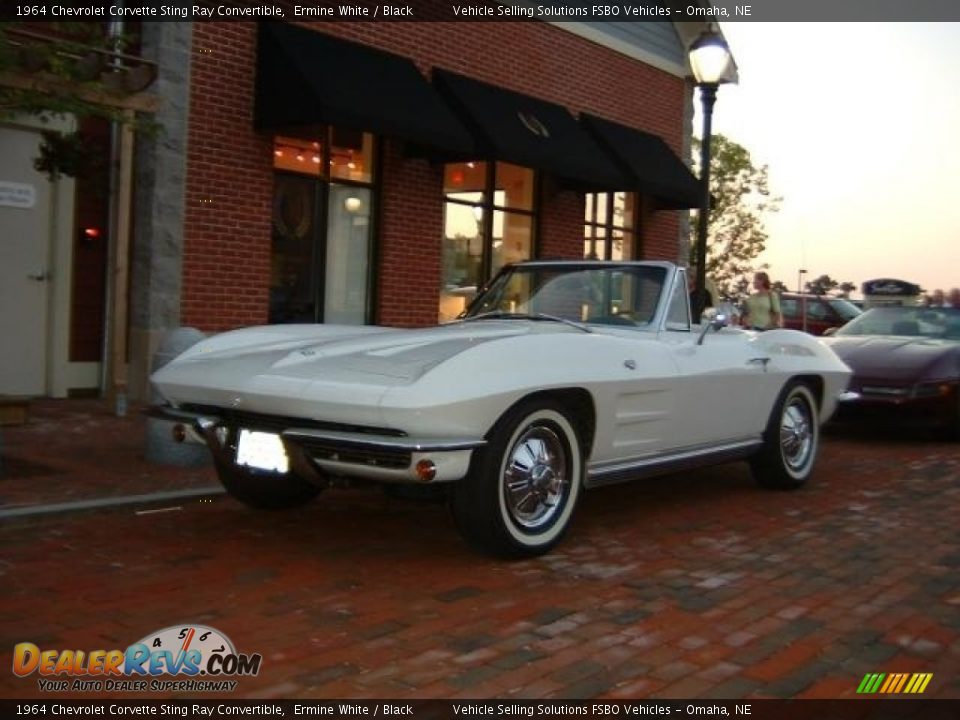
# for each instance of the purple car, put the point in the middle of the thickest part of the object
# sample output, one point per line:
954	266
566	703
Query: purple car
906	366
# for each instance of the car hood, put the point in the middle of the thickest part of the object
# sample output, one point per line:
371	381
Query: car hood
890	357
338	354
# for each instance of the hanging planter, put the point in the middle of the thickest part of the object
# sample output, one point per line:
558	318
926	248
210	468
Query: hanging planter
64	154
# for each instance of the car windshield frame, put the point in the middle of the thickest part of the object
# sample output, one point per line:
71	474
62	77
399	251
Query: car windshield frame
844	308
628	295
905	321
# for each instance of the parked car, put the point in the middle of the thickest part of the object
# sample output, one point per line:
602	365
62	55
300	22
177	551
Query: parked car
561	376
823	312
906	366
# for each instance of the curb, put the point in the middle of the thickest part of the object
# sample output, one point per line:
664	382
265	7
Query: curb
110	502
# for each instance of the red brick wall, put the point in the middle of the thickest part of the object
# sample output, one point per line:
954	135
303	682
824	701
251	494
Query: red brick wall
230	177
411	225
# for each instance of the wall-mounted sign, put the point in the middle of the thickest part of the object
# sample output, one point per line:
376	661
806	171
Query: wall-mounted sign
18	195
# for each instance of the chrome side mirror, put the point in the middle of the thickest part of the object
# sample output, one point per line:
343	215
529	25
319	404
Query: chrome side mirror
715	318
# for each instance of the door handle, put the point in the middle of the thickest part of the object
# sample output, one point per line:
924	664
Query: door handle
759	361
41	276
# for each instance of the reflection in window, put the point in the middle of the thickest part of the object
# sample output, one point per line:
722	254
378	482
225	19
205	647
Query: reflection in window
488	223
609	231
292	297
626	297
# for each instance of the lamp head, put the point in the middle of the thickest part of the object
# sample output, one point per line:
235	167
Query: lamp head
710	59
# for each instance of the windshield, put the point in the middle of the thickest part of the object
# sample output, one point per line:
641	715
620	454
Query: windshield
613	295
845	309
906	321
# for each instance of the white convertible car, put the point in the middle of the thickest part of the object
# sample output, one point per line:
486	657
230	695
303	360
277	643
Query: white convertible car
561	376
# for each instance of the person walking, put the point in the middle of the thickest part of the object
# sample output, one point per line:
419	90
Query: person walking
762	310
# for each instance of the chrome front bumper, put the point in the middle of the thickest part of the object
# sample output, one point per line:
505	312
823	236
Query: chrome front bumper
848	396
315	452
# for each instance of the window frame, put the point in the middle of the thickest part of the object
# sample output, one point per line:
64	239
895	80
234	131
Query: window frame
608	225
680	289
321	215
489	207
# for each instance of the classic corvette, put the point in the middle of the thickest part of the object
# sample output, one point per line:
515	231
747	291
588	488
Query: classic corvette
561	376
906	366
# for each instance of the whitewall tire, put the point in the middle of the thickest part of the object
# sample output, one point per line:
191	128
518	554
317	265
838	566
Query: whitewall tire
523	486
791	440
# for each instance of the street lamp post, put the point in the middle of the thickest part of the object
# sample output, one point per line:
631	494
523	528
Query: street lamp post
803	300
710	61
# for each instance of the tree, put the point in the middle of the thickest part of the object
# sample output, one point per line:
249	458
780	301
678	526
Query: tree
735	231
779	287
69	69
845	288
822	285
825	285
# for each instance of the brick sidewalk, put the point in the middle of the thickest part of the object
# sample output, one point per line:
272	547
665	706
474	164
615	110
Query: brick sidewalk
692	585
78	450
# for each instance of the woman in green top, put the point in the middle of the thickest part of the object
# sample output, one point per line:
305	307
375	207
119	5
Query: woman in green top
763	307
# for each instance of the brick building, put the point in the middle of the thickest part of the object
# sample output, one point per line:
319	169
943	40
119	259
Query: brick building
380	172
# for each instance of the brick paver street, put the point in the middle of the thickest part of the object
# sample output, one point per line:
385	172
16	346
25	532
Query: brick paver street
692	585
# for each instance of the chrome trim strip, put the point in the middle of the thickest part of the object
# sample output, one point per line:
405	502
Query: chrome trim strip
382	442
165	412
664	463
352	440
848	396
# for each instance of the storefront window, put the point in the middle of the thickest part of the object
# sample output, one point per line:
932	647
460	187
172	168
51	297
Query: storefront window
322	239
489	221
610	226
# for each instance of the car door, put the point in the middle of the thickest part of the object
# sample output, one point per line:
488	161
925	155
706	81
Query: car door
722	382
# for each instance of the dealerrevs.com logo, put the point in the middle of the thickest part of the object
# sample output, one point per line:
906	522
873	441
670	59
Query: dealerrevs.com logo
203	655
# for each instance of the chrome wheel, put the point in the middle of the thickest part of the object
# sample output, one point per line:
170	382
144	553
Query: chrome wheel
536	477
523	487
796	434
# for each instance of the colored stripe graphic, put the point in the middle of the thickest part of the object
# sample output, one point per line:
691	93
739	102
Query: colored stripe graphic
923	679
903	681
870	683
894	683
891	678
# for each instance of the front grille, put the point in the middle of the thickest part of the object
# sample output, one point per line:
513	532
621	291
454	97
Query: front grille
279	423
884	390
325	450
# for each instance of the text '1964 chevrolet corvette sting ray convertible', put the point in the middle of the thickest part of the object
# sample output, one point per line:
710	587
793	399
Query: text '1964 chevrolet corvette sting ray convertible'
561	376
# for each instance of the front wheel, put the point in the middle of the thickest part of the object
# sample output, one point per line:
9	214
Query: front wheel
791	440
522	488
266	491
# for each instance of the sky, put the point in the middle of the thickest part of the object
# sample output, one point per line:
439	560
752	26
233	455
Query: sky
859	124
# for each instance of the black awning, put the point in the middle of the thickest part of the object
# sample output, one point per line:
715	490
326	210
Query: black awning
308	78
653	167
527	131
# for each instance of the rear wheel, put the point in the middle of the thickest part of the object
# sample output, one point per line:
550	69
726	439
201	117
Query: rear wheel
791	440
266	490
522	488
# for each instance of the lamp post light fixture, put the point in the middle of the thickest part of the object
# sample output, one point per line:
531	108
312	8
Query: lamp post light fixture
711	62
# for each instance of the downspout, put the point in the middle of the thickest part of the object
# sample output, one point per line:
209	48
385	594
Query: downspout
107	371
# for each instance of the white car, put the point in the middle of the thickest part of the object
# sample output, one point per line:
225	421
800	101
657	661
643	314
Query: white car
561	376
